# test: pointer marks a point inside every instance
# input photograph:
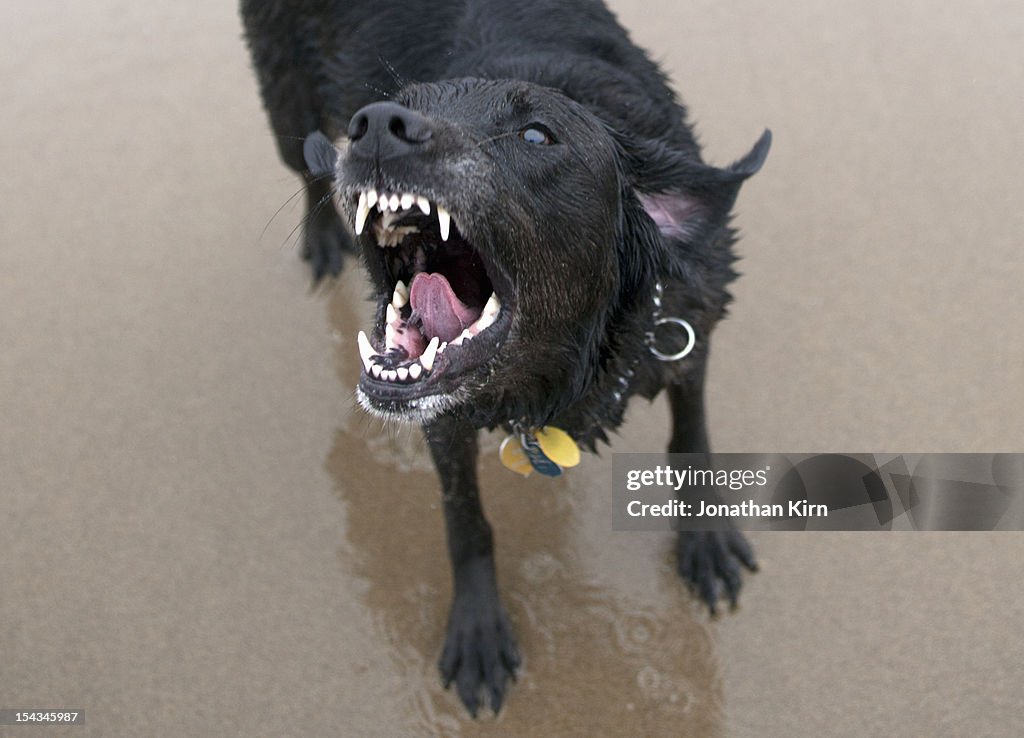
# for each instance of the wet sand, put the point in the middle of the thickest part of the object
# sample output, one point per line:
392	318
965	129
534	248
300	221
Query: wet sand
203	536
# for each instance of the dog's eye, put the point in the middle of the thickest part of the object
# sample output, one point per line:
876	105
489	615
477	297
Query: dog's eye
535	133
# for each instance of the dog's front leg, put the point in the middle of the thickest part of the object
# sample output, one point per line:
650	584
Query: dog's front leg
709	561
479	649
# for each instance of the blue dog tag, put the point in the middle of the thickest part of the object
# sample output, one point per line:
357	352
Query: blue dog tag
536	457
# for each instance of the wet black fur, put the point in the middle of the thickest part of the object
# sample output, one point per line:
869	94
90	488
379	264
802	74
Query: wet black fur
567	223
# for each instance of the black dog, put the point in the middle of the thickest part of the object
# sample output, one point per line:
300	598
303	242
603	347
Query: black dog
528	199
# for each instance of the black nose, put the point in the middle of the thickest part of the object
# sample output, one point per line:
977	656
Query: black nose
387	130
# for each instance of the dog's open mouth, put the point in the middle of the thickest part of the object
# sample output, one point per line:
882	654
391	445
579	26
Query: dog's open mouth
444	308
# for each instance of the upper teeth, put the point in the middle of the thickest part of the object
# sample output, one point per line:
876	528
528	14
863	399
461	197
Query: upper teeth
444	222
394	202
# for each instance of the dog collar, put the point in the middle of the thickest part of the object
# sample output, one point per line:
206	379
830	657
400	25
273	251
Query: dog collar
660	320
550	450
651	340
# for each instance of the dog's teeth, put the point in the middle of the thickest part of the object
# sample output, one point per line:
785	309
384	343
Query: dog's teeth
371	198
390	375
444	221
423	204
485	321
493	306
366	352
407	201
391	237
394	203
427	357
442	347
362	210
392	313
415	370
382	203
376	370
401	296
403	373
389	337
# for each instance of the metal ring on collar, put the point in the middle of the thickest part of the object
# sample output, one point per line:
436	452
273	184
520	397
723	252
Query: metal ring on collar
691	342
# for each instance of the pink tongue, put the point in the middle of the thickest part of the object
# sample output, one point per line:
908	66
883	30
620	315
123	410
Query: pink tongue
443	314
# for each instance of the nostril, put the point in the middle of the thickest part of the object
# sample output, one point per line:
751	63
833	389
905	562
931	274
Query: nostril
396	126
409	127
358	126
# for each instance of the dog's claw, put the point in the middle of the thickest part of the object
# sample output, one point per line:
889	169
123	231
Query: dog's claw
479	653
710	562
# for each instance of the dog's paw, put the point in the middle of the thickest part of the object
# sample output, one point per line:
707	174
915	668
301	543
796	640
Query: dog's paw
480	652
710	562
325	243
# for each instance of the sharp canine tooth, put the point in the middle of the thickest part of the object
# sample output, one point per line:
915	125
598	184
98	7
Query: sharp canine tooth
415	370
394	203
407	201
485	321
401	296
389	337
403	373
362	210
493	306
444	220
427	357
392	313
365	350
423	204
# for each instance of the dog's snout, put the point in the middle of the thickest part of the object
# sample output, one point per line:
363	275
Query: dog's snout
387	129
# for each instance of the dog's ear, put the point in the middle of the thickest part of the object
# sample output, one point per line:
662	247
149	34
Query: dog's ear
320	154
685	197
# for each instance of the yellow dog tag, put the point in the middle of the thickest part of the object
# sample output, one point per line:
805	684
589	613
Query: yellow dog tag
549	451
558	446
513	457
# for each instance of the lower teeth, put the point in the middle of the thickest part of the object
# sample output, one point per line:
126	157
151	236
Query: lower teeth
424	363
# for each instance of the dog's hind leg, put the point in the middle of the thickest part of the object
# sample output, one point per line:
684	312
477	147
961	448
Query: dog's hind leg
295	109
708	560
479	650
325	240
